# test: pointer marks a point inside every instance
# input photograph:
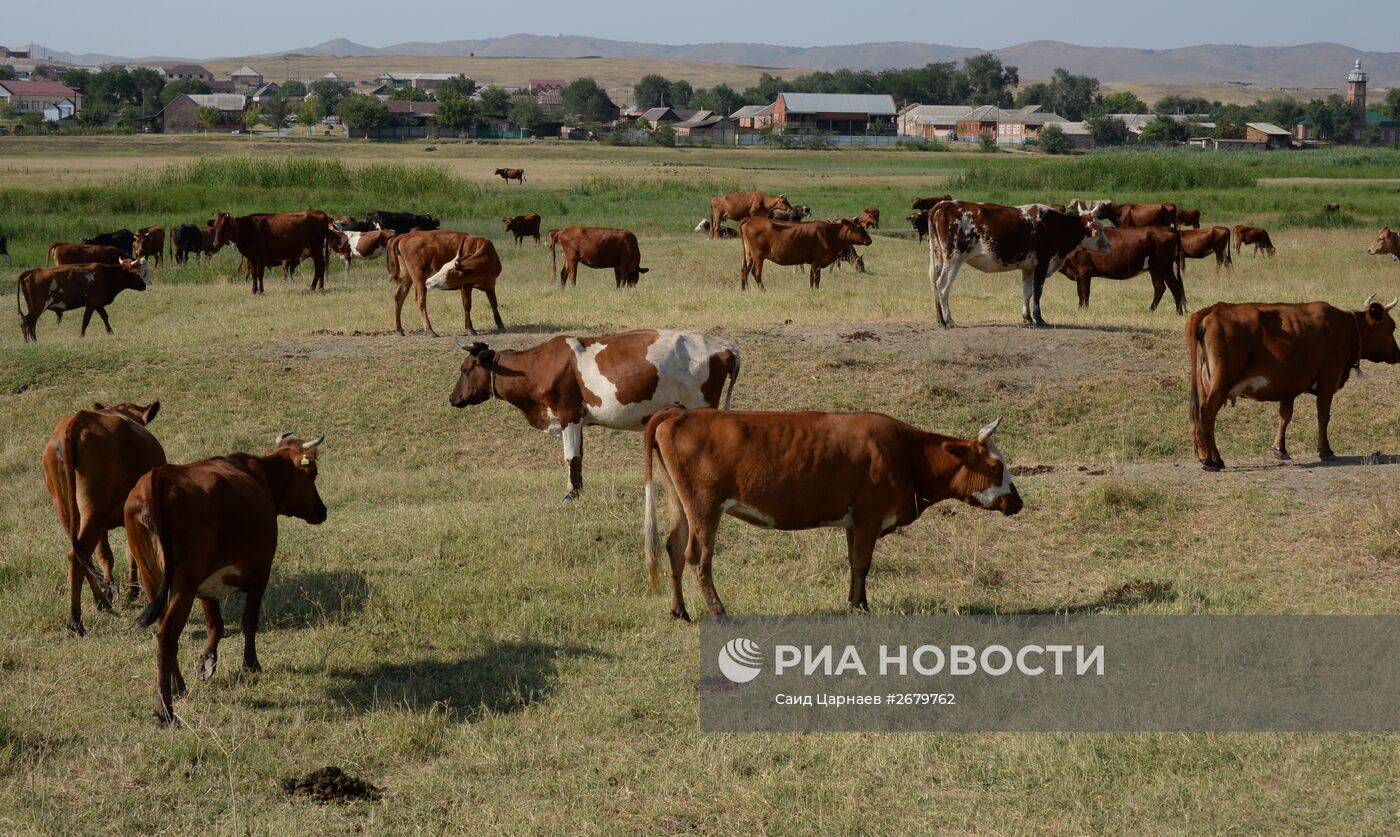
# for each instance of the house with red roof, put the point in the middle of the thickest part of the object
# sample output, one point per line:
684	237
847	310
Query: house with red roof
35	96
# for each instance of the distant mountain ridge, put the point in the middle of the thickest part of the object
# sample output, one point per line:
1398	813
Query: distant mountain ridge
1302	65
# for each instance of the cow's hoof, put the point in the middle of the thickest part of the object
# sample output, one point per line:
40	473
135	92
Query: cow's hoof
681	615
76	626
432	334
205	666
1212	466
104	602
1282	455
1326	455
1039	323
252	666
571	495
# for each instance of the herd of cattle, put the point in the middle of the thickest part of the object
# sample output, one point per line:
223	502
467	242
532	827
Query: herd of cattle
203	530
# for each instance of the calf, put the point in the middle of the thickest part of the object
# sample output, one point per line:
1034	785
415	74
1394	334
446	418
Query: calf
920	222
448	260
91	286
1277	352
351	225
1253	235
1331	207
796	213
402	222
123	240
1188	218
1387	241
508	175
724	231
925	204
208	529
869	217
863	472
599	248
1132	251
1197	244
523	225
351	245
614	380
150	244
818	244
63	253
91	461
737	206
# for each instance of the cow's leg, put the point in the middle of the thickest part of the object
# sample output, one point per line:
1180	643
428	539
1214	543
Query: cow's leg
573	457
815	278
943	292
208	661
1082	285
1285	415
1038	287
1324	415
400	294
1027	291
90	538
106	323
495	310
420	296
106	561
133	583
169	683
1159	289
860	549
756	269
252	611
76	574
676	543
87	318
1210	408
466	291
700	555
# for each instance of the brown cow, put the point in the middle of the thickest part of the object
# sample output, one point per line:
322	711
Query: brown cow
1033	239
1197	244
457	260
1276	352
1140	214
863	472
523	225
598	248
1188	218
1253	235
92	286
65	253
208	529
869	217
616	381
818	244
1331	207
925	204
1387	241
150	243
91	461
1156	250
511	174
740	205
266	239
798	212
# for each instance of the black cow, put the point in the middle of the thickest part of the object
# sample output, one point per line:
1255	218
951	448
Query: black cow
402	222
355	226
5	250
920	222
123	240
187	239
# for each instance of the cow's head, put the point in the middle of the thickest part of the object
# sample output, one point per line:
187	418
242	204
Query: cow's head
1377	332
500	172
297	496
136	412
339	241
138	242
474	385
982	477
453	274
136	274
225	229
780	202
1386	242
1094	240
703	226
853	233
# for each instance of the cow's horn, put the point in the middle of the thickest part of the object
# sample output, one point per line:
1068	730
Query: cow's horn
314	443
1393	303
1370	299
986	433
282	437
466	347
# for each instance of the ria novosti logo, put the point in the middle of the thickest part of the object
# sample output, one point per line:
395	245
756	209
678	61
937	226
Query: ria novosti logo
740	660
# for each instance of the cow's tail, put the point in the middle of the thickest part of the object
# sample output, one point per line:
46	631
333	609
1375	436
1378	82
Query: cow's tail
1200	369
1229	262
1180	261
154	610
68	497
651	536
391	258
553	255
52	255
733	376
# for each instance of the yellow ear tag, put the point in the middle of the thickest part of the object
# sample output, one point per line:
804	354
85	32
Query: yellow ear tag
305	460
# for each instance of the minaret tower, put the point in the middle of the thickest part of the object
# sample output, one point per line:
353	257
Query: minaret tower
1356	96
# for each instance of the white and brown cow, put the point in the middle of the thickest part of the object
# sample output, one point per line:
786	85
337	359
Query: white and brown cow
351	245
614	380
1033	239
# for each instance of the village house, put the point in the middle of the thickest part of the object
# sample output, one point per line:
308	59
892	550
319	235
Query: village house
1271	135
705	128
931	122
188	71
246	79
31	96
60	111
750	118
1022	126
979	123
179	116
843	114
537	86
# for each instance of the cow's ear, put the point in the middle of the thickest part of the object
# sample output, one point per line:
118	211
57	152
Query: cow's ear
149	414
486	357
1375	312
958	450
98	405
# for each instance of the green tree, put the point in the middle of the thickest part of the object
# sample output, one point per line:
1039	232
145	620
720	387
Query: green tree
1391	108
987	143
94	116
182	85
682	94
663	135
277	112
651	91
1107	130
495	102
526	113
721	99
362	113
310	114
207	117
7	73
1054	140
410	94
1174	105
1165	129
990	81
456	87
1284	111
293	89
1230	121
1123	101
7	111
456	114
584	99
31	119
330	92
252	115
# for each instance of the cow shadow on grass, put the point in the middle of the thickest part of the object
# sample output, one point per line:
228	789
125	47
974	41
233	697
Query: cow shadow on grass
1376	458
506	677
299	600
1119	599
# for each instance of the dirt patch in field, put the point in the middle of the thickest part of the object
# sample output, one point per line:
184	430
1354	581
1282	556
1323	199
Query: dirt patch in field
331	784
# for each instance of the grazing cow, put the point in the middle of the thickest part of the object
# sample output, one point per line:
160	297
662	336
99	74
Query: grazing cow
818	244
150	244
402	222
443	259
1197	244
740	205
123	240
352	245
1188	218
869	217
724	231
208	529
992	238
1253	235
614	380
598	248
920	222
64	253
523	225
1331	207
352	225
209	245
1132	251
1387	241
91	461
1139	214
187	239
508	175
266	239
89	286
1277	352
797	213
5	250
1099	210
866	473
925	204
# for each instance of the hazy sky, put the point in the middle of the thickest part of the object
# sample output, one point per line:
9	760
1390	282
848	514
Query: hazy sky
204	30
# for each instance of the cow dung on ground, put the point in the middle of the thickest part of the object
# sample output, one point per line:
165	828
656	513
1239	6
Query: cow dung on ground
331	784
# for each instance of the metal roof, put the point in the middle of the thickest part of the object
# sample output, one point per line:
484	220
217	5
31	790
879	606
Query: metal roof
38	88
936	114
222	101
986	113
1268	128
746	112
245	71
870	104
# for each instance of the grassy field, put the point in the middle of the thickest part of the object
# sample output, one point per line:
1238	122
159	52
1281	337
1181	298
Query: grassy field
491	656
